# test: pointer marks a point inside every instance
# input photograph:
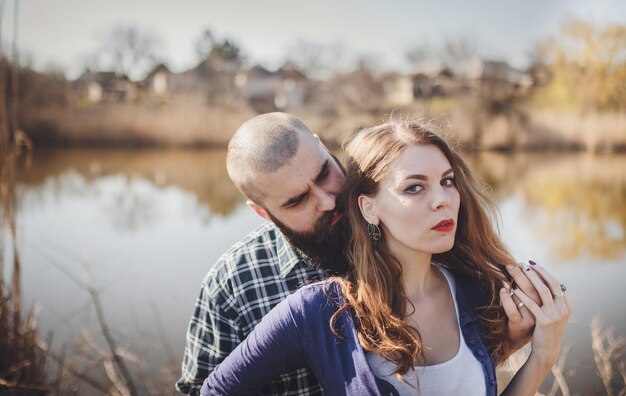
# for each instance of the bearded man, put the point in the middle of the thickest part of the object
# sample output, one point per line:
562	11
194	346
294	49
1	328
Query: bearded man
292	180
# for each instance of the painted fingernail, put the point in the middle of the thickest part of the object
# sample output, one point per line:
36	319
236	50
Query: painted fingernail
532	262
514	286
526	267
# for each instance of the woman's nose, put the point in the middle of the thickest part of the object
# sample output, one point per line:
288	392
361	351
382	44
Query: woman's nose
441	198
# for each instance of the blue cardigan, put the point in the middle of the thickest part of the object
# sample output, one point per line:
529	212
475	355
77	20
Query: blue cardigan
296	334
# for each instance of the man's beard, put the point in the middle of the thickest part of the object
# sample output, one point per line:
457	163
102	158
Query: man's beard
324	245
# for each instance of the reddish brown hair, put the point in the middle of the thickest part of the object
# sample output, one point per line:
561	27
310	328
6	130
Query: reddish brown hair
373	288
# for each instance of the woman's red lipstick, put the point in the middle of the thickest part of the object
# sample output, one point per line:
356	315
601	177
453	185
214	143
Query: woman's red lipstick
444	226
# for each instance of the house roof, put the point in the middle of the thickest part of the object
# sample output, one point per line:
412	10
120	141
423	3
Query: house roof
101	76
289	70
259	71
158	68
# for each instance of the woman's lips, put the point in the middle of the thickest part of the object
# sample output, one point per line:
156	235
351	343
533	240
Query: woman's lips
444	226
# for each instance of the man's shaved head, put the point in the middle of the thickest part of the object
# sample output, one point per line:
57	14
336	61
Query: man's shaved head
262	144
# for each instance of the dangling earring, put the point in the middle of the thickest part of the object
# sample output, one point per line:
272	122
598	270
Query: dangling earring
374	231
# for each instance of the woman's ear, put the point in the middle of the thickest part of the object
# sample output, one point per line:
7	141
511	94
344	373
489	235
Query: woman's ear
368	209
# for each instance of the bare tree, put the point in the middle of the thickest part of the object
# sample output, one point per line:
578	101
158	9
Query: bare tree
4	129
221	54
316	59
13	123
128	50
203	44
457	54
418	55
8	76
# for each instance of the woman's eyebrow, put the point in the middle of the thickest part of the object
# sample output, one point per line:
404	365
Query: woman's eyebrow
420	177
424	177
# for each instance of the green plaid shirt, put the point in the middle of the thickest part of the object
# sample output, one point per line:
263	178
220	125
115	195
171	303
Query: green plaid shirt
248	280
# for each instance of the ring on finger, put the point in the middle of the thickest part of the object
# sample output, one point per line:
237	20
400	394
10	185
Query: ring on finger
520	305
563	287
558	294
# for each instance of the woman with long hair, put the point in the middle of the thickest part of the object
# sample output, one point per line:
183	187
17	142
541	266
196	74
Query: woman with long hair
419	311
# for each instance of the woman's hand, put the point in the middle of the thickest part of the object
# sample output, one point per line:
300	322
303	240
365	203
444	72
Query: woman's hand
551	315
520	322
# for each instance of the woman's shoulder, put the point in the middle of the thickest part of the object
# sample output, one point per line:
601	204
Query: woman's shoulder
318	291
316	297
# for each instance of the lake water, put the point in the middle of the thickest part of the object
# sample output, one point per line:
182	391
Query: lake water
143	228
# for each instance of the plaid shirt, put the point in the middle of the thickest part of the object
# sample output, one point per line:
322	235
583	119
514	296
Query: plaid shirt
250	279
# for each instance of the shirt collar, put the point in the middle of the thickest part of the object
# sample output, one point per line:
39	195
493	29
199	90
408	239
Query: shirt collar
287	256
466	314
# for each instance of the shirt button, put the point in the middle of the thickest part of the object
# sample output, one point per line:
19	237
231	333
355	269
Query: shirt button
493	382
479	353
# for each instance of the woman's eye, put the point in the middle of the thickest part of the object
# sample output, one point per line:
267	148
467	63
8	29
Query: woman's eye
414	189
448	181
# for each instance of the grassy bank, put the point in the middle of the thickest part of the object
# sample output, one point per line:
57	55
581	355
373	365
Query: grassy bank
22	363
127	125
199	125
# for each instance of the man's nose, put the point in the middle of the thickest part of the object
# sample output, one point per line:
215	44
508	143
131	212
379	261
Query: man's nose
326	200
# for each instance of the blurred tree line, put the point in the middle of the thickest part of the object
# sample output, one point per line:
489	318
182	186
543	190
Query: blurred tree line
582	70
587	67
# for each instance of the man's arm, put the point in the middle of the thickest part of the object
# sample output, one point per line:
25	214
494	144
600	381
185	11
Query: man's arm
213	333
274	347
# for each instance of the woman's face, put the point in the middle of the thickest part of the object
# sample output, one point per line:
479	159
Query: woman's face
417	203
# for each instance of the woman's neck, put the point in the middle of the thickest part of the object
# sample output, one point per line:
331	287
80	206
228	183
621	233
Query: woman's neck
418	276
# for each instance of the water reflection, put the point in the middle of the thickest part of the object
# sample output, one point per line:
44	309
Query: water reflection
142	228
575	202
145	226
201	172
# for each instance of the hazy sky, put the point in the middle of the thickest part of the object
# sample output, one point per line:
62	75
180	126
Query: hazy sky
62	32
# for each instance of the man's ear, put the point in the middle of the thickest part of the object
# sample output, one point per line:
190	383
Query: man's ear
368	209
320	142
258	209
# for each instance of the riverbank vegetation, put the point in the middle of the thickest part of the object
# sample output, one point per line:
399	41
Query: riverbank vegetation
571	97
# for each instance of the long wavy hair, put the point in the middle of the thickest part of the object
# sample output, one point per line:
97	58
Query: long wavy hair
373	288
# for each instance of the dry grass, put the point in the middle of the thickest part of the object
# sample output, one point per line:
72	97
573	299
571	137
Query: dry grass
609	353
181	124
22	365
191	123
597	132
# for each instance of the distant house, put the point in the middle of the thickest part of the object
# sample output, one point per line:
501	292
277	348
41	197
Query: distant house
436	82
105	87
361	89
498	78
398	89
158	81
203	82
265	90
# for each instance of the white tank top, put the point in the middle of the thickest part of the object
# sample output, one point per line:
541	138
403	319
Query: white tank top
461	375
